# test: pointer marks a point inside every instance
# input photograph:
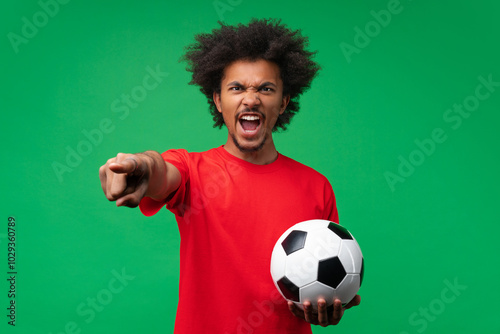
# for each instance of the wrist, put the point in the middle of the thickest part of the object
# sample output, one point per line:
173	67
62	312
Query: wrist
156	173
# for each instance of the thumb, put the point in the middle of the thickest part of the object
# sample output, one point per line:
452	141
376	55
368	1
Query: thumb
127	166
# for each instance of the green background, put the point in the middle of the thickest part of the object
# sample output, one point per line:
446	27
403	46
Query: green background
364	113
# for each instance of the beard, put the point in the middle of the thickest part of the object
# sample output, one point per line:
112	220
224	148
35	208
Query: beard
248	149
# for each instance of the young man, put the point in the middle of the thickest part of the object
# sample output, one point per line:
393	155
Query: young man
233	202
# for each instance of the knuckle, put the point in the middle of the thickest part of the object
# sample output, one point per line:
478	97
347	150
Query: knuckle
110	197
121	156
114	194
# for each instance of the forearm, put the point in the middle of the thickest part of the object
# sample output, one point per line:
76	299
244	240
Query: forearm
164	178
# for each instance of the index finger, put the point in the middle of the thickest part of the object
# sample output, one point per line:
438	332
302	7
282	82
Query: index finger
119	181
322	312
127	166
338	311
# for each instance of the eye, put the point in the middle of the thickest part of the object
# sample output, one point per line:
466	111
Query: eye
266	89
235	88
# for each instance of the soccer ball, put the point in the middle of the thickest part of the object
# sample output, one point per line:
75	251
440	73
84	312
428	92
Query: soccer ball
317	259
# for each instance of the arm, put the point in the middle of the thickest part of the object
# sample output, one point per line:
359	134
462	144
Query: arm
128	178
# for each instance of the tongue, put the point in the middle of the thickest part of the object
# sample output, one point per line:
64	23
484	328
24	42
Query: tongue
249	125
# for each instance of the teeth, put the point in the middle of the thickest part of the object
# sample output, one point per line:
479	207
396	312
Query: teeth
250	118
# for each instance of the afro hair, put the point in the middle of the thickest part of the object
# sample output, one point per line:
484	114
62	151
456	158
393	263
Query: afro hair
266	39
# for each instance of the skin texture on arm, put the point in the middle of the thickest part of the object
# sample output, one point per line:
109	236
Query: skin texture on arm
128	178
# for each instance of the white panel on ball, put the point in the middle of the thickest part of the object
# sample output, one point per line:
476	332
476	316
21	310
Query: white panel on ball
322	243
301	268
278	263
348	288
310	225
350	256
312	292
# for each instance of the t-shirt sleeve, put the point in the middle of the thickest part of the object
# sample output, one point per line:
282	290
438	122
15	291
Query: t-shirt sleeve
180	159
331	212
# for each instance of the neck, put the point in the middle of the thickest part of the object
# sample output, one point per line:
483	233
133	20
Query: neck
264	156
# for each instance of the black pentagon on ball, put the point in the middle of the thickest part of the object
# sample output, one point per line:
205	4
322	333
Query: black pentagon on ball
331	272
341	231
289	290
294	241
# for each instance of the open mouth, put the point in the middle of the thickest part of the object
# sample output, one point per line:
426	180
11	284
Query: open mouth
250	124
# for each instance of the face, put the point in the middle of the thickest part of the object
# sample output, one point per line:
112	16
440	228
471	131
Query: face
250	101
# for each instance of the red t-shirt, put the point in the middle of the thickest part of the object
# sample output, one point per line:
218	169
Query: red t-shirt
230	214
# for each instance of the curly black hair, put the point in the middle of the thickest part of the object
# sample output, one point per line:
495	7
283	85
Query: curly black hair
266	39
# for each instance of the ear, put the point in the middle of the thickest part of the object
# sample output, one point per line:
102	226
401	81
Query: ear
216	98
284	103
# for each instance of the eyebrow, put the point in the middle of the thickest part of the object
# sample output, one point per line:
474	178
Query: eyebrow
236	83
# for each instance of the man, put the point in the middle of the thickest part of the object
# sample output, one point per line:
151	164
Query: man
233	202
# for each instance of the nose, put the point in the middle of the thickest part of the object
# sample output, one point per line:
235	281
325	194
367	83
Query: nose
251	98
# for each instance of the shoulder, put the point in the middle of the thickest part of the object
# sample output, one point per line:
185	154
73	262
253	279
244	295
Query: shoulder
181	153
182	159
299	168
